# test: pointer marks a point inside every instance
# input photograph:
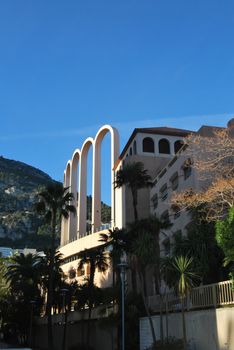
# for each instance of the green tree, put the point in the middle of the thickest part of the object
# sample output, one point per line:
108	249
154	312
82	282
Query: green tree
179	274
23	275
54	203
117	240
225	239
142	251
96	259
200	243
135	177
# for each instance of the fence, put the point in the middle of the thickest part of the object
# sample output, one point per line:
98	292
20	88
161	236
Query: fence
211	295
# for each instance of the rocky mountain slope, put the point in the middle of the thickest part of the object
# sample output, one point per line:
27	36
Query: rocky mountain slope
19	184
20	226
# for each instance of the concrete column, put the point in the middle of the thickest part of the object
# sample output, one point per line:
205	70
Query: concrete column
74	185
82	202
96	210
96	194
63	220
67	182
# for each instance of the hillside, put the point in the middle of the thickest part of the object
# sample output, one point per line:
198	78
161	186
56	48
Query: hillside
19	183
20	226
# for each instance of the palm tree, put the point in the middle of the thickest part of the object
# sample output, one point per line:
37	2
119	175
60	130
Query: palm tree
23	275
54	203
135	177
95	258
116	240
179	274
143	254
143	250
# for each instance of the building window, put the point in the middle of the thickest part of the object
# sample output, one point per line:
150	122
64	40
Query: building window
164	192
164	146
130	152
80	272
165	217
174	181
88	269
167	246
134	148
177	145
187	168
154	200
148	145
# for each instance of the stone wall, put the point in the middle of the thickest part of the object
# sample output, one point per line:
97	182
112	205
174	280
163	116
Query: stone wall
206	329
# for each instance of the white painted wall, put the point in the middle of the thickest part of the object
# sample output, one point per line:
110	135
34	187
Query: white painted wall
206	329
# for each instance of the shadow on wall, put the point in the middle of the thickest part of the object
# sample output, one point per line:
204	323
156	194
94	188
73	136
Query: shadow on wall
211	329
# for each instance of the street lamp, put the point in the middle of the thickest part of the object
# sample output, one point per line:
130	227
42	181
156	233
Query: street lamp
64	291
122	266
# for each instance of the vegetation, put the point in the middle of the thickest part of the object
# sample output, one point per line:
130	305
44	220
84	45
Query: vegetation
179	274
29	278
54	202
135	177
200	243
225	239
95	258
213	159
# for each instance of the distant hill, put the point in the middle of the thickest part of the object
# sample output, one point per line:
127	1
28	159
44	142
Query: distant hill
20	226
19	184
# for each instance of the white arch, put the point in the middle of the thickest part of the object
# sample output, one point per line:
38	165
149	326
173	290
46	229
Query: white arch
76	226
82	202
74	189
66	222
96	204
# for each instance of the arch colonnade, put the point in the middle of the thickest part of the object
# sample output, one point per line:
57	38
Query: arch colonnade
75	177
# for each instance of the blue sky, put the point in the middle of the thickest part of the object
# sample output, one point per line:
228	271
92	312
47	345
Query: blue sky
68	67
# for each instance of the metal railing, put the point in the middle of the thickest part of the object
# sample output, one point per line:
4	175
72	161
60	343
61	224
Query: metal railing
211	295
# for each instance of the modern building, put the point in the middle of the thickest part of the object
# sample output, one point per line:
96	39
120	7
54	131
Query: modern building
161	150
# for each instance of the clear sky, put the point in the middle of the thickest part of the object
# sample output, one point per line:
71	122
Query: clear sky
68	67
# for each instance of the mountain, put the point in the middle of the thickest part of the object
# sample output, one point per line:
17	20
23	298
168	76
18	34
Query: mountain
19	184
20	226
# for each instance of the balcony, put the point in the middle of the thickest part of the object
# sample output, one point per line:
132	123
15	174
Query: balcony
207	296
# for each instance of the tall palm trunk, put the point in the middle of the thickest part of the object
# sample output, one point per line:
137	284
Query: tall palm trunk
144	297
51	284
134	203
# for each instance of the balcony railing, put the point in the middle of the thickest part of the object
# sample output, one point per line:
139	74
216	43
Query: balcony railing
207	296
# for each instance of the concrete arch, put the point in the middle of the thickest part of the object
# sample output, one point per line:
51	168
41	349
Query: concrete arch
82	202
66	222
96	204
75	227
75	160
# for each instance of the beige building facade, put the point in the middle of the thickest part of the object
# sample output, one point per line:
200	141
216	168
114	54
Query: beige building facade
160	149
